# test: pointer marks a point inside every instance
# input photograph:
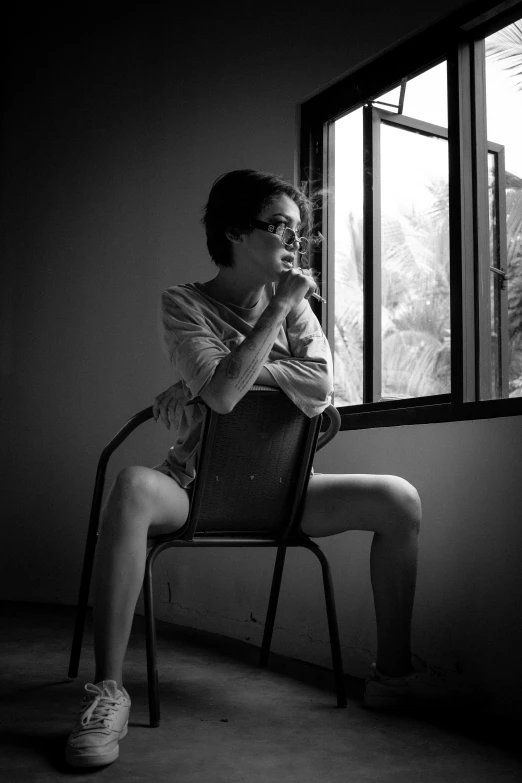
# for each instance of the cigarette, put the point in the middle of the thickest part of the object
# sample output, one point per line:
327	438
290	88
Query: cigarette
316	296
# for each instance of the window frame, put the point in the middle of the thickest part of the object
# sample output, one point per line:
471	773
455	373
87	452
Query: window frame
458	40
498	278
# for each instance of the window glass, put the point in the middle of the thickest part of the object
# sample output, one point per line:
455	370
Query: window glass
504	123
348	260
415	318
411	183
425	97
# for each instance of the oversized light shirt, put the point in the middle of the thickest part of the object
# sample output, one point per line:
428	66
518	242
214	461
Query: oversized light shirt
200	331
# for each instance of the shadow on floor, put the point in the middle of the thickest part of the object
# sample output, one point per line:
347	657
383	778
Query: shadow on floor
225	719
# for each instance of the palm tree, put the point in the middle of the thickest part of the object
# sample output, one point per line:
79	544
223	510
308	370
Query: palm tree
415	298
505	46
348	355
415	305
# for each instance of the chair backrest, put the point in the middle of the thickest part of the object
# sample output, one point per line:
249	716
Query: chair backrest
253	468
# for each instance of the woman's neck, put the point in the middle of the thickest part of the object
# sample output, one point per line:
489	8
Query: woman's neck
229	286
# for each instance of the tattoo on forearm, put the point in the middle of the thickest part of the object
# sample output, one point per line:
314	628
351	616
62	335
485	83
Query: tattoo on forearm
242	373
233	367
266	320
264	323
252	370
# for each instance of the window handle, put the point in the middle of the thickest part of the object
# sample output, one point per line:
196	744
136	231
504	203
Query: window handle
502	274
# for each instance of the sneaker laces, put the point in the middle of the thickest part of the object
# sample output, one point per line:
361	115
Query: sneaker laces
434	671
420	666
99	710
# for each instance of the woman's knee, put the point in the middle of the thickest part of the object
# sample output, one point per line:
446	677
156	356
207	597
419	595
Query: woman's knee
134	485
403	504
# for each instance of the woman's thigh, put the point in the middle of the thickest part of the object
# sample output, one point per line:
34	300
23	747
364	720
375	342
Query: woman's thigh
339	502
172	506
153	499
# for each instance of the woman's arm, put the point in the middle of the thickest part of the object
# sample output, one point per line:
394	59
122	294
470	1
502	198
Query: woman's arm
237	372
306	376
265	378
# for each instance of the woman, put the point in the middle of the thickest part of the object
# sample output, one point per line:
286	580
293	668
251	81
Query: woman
251	323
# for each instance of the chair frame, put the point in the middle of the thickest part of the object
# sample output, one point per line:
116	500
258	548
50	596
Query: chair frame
188	535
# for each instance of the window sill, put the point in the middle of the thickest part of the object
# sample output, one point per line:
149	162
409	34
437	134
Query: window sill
396	414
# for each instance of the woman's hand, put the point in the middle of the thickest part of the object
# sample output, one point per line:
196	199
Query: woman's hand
312	292
169	405
295	285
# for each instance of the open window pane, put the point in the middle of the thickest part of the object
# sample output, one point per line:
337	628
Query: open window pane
425	97
409	353
415	289
504	123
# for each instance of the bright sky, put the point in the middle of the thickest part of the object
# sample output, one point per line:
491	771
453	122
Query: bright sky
410	161
504	113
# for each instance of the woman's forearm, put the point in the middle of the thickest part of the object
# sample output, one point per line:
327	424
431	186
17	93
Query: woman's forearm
265	378
238	371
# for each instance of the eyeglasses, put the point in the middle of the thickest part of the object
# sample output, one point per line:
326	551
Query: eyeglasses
287	235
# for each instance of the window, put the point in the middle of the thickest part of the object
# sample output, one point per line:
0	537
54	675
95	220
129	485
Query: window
419	174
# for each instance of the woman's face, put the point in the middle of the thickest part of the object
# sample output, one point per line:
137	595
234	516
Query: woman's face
263	254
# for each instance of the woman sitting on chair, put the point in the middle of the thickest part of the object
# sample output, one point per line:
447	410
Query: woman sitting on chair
251	323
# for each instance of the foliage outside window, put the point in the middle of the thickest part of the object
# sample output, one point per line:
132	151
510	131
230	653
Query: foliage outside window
503	83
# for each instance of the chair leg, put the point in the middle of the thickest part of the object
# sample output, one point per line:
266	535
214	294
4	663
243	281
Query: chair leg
333	627
83	599
150	624
272	605
88	564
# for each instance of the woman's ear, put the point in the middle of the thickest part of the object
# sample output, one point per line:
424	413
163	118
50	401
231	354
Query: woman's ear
234	235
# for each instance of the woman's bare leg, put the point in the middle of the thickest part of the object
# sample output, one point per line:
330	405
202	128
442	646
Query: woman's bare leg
390	507
142	503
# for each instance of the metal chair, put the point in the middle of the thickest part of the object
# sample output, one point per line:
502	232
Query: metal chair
253	472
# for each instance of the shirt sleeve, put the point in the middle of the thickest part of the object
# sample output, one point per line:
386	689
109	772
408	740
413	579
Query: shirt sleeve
193	347
307	375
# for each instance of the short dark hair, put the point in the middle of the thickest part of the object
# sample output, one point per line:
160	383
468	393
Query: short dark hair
236	198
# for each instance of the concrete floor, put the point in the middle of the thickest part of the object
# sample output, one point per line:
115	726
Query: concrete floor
226	720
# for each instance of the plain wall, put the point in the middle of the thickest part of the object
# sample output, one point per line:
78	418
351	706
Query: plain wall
115	129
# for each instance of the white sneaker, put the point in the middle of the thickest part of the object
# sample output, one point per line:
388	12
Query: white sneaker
102	722
427	685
